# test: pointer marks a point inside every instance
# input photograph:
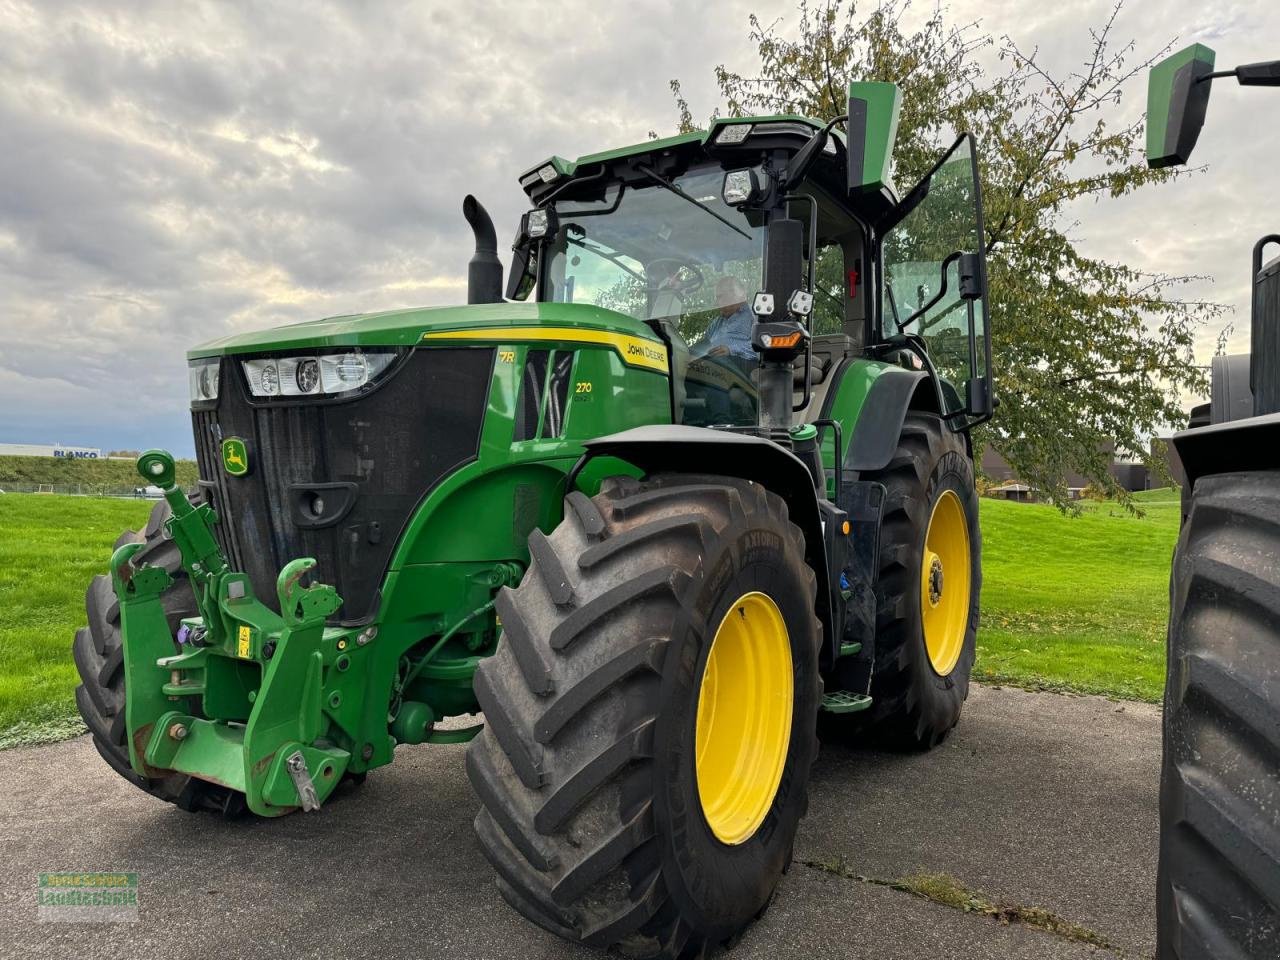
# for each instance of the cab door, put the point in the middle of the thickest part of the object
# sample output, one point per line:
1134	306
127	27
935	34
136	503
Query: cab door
934	290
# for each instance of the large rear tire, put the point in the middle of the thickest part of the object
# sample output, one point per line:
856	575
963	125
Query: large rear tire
1219	875
99	657
927	594
663	638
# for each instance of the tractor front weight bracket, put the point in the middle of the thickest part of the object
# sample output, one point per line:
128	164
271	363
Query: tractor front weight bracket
270	685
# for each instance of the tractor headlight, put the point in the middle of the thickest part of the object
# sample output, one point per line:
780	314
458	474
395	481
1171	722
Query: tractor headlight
307	375
351	371
203	375
733	133
741	186
538	223
268	380
327	374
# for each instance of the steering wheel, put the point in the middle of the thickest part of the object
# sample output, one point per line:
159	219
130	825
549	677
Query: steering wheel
682	277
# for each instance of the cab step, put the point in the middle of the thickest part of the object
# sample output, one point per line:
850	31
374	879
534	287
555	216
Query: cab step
842	701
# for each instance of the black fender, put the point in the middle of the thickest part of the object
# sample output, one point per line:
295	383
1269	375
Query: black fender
1236	446
682	449
879	424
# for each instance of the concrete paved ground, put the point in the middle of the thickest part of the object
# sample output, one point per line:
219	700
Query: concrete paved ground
1037	799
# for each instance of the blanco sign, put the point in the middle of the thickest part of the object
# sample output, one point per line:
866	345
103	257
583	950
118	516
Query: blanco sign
50	450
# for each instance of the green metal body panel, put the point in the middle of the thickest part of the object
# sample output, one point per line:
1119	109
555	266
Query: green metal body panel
873	128
273	686
405	328
846	404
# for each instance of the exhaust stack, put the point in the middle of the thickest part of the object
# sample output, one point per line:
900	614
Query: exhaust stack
484	272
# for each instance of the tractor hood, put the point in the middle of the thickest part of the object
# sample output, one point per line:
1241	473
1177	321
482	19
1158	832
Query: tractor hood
402	328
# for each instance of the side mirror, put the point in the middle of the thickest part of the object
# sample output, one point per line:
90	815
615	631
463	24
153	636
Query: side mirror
523	275
1177	96
972	282
536	227
873	126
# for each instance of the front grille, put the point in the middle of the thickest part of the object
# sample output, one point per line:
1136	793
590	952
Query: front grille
384	451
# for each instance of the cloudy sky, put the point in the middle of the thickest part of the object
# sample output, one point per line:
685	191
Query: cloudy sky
173	172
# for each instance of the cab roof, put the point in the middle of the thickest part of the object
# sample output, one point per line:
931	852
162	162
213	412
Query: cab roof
557	170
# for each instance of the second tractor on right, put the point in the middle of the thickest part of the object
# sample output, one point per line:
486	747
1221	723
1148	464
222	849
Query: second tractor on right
1219	874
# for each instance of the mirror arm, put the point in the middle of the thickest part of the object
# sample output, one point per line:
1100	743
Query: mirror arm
1264	74
804	157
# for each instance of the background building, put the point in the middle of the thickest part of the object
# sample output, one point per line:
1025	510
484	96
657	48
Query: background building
50	450
1007	484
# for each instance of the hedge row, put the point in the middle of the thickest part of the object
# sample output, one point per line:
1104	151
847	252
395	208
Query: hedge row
99	472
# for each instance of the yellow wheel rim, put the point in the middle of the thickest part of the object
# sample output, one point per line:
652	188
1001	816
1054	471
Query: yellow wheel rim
744	718
945	581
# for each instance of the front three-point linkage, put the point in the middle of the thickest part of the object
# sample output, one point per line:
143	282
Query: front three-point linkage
259	676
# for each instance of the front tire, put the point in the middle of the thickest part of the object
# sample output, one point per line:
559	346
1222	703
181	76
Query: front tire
663	635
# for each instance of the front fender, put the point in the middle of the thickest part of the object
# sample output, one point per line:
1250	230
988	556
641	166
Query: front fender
684	449
879	423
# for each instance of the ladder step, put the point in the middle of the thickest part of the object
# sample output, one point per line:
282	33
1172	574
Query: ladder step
842	701
849	649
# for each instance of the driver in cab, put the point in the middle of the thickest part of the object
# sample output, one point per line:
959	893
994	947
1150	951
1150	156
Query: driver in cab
723	360
730	332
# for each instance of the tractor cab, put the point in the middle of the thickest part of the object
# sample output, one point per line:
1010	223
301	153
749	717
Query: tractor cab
776	221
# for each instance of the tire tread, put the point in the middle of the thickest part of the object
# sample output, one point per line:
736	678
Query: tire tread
1218	880
577	852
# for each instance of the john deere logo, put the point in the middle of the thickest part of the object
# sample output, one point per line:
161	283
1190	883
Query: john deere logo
235	456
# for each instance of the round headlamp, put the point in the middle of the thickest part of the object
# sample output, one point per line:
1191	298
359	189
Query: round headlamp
308	375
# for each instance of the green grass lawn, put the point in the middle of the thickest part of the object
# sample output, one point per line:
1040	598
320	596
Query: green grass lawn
1077	603
50	548
1067	603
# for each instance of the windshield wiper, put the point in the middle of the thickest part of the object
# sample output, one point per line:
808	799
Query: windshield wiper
668	185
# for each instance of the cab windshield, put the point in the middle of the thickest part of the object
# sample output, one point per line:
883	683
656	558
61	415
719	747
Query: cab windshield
646	251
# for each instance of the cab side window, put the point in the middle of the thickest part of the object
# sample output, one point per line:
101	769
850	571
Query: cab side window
829	290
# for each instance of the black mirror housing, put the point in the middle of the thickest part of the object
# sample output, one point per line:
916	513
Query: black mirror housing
971	280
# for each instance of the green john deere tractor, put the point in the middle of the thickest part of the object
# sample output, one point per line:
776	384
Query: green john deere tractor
1219	875
700	476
